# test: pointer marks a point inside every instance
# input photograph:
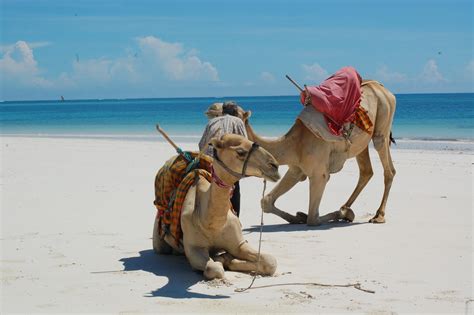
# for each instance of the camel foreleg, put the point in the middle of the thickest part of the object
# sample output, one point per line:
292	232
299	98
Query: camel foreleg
365	174
199	259
245	259
317	184
289	180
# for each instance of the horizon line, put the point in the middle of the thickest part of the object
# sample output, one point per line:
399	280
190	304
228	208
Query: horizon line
191	97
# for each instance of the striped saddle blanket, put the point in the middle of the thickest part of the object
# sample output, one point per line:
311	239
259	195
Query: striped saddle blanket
172	183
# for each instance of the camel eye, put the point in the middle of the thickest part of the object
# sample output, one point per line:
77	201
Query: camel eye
241	153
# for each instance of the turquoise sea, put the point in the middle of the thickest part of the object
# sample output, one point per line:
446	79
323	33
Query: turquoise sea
419	117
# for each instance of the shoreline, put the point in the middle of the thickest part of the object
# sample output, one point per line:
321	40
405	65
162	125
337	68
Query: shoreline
451	145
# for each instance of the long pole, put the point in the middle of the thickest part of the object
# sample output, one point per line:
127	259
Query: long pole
295	84
163	133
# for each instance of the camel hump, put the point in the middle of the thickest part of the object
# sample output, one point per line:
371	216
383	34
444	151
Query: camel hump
365	82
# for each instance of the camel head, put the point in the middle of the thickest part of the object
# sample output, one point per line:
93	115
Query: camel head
246	116
233	150
240	113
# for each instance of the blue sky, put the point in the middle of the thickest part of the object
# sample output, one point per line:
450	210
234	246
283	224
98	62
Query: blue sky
87	49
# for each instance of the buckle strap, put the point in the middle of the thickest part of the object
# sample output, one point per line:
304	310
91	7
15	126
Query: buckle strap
244	167
255	146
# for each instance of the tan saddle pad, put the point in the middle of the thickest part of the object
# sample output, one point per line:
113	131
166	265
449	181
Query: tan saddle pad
316	123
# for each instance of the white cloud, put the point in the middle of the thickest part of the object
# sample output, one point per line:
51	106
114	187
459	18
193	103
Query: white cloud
383	74
431	74
315	72
470	68
176	63
155	61
267	77
19	67
103	71
150	66
32	45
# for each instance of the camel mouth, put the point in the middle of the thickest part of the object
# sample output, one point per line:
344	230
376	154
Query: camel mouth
273	178
272	174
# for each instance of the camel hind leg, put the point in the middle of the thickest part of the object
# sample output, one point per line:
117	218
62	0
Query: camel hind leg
365	174
382	145
160	246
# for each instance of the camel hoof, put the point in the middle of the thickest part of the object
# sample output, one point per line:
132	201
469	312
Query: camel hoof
316	222
348	214
301	217
377	219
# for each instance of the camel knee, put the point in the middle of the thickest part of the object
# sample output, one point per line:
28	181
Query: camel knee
267	265
388	176
267	204
213	270
379	141
367	174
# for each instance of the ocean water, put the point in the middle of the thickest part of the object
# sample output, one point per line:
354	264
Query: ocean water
418	118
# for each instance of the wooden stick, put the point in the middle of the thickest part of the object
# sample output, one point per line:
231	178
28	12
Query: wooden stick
295	84
163	133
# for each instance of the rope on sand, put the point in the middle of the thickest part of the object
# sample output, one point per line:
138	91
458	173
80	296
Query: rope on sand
356	286
349	285
259	244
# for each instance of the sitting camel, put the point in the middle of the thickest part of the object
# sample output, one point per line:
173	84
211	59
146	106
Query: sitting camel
207	224
310	156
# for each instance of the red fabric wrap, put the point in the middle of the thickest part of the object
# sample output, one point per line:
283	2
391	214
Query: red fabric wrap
337	98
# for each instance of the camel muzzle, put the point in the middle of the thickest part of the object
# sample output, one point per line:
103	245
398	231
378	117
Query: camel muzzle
272	174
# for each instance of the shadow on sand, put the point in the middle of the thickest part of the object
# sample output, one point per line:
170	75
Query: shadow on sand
175	268
286	227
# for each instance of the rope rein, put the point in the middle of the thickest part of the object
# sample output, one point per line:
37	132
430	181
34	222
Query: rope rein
259	245
356	286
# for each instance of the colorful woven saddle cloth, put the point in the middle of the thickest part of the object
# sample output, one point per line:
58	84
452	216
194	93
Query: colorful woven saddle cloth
172	183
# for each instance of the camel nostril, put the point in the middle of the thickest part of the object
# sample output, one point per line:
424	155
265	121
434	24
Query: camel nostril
274	166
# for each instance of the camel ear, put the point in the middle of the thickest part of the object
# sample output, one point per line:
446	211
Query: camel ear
246	116
216	143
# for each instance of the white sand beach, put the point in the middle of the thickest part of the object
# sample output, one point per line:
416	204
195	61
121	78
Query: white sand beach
77	218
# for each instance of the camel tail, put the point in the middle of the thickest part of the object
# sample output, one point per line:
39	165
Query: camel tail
392	139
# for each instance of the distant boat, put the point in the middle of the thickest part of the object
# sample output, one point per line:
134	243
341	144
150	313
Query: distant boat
62	98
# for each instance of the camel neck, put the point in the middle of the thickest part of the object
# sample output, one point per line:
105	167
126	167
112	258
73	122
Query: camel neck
280	148
214	216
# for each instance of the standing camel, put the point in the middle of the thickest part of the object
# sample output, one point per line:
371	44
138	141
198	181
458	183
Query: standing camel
310	156
207	224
